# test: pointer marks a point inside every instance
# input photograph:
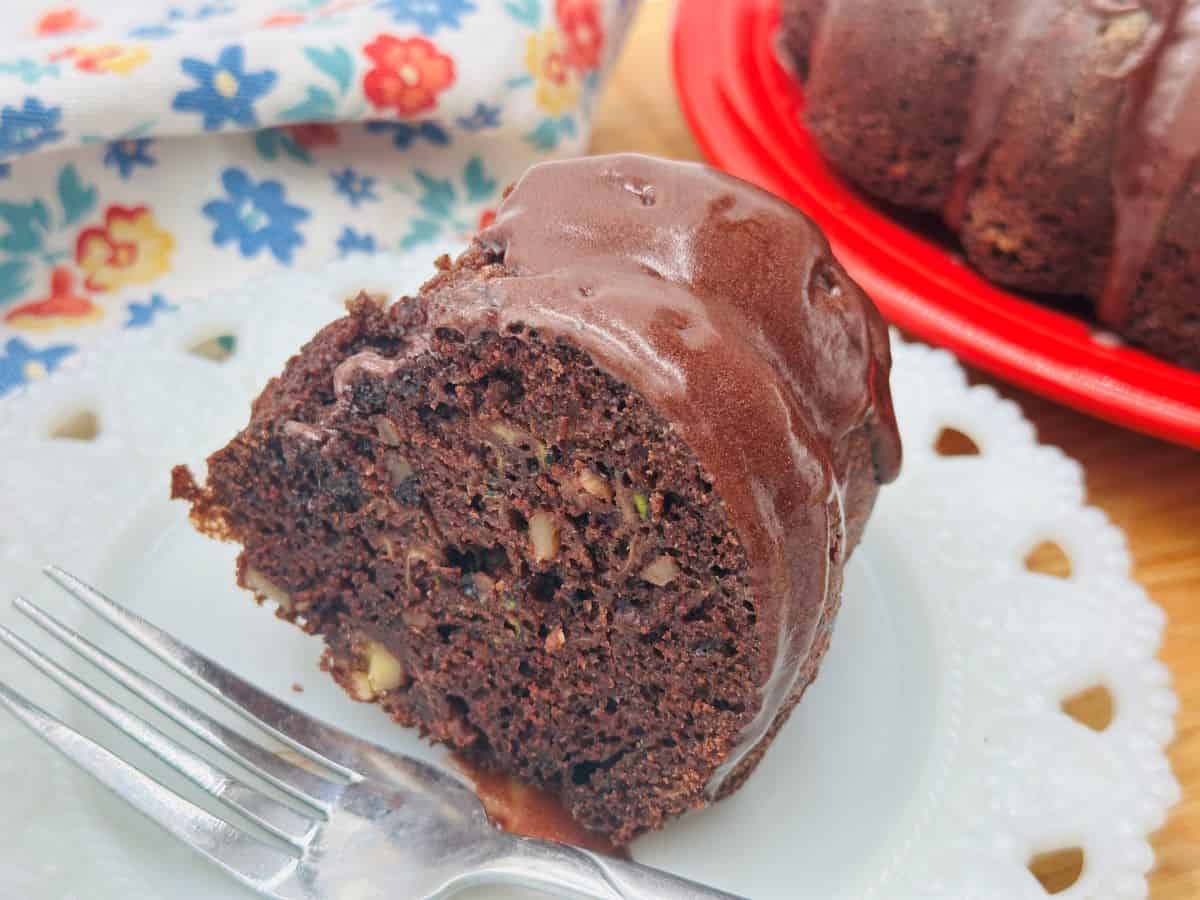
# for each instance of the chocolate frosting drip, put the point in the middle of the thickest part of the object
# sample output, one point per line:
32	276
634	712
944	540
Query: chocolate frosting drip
1159	141
1017	28
721	305
1159	135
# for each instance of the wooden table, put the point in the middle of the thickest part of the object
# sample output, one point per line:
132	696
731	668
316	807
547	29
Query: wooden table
1149	488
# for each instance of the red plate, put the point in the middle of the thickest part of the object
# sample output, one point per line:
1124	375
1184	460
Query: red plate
744	110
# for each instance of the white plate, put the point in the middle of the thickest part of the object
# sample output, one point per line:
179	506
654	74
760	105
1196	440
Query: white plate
930	759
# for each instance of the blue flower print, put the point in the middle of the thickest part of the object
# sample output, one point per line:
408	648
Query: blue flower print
128	154
143	314
484	116
354	187
256	215
180	16
404	133
428	15
200	13
25	128
151	32
350	241
226	92
21	363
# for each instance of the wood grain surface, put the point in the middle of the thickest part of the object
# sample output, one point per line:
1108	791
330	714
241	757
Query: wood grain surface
1149	488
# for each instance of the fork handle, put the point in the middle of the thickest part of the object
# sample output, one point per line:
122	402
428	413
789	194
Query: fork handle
565	870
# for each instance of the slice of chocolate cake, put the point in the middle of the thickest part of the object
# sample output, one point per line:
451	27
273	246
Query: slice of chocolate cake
580	508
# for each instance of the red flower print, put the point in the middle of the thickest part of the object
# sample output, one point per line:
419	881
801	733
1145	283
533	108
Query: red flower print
579	21
313	134
283	19
330	8
336	6
408	74
62	306
486	218
62	20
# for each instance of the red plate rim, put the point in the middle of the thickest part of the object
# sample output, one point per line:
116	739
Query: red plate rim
744	110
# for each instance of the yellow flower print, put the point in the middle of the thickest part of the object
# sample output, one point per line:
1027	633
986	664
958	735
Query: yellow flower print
557	84
129	248
106	58
122	59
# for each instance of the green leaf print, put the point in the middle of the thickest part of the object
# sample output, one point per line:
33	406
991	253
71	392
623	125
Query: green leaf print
437	195
420	231
14	279
270	141
27	226
29	71
318	105
545	136
76	198
479	186
337	63
527	12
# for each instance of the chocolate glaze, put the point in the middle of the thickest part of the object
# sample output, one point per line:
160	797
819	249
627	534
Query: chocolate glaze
1016	28
1159	141
722	306
1159	136
521	809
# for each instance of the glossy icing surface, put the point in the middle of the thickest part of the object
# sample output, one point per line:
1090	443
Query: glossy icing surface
520	809
1159	143
1015	29
1158	137
721	305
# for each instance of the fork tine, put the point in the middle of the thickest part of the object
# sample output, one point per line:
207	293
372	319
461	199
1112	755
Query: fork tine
245	858
280	820
316	792
323	744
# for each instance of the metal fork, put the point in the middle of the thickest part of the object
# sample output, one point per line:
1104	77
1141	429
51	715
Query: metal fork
374	822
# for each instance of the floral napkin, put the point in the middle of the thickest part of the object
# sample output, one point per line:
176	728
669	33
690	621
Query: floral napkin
153	152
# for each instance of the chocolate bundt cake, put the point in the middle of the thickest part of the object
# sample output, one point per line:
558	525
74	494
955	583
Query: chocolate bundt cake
1060	140
580	508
